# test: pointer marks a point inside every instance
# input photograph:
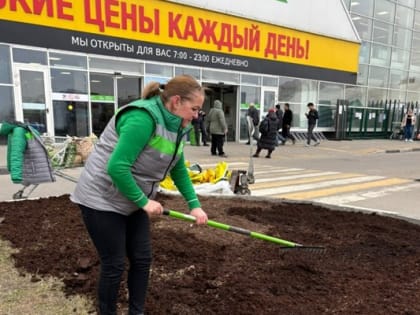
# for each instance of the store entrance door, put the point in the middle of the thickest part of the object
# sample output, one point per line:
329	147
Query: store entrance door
227	94
33	102
109	92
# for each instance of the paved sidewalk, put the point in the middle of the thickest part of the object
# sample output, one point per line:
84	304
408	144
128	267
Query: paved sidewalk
238	158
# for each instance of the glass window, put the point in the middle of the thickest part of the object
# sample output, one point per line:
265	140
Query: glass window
375	95
417	21
112	65
380	55
220	76
396	95
129	89
355	95
71	118
160	70
398	79
329	93
364	7
384	10
29	56
270	81
417	4
378	76
364	54
415	61
64	60
102	98
416	42
5	72
363	26
382	32
400	59
402	37
362	74
297	90
69	81
7	104
414	81
404	16
413	97
347	4
101	87
249	94
408	3
194	72
250	79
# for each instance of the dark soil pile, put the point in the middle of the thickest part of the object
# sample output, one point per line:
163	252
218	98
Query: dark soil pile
371	266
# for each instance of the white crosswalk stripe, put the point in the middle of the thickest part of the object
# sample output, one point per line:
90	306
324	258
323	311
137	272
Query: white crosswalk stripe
329	187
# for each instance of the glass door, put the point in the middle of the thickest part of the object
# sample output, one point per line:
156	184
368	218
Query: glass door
33	101
268	99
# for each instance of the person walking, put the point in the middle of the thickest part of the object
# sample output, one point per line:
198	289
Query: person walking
408	122
218	128
287	123
253	115
116	191
312	116
199	127
269	129
279	113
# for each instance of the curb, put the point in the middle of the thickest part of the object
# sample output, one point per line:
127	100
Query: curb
402	150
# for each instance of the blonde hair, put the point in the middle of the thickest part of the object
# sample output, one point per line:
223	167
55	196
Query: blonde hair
182	85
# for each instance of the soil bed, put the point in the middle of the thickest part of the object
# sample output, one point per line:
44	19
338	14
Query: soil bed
371	266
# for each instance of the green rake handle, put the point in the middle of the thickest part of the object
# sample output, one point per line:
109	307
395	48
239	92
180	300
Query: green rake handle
225	227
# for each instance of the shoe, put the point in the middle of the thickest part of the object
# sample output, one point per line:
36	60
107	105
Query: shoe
411	140
248	143
205	145
255	155
214	154
268	156
316	143
406	140
223	155
307	145
293	141
283	143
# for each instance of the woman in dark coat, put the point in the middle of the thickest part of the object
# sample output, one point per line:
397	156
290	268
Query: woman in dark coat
268	128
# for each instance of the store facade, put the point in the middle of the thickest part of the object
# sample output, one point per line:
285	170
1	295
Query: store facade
69	66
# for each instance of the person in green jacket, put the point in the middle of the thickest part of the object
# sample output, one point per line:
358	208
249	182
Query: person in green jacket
140	145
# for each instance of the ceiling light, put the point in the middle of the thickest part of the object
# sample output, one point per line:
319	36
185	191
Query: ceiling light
65	72
95	81
382	13
354	3
355	18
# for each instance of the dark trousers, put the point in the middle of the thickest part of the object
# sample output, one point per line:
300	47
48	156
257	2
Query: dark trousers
116	237
408	131
217	144
200	128
285	132
311	136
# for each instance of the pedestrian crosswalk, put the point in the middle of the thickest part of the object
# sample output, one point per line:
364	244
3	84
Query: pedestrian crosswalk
329	187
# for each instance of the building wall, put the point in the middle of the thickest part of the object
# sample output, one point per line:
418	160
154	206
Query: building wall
389	60
71	47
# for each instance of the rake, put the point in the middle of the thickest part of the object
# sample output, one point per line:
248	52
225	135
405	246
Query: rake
285	245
